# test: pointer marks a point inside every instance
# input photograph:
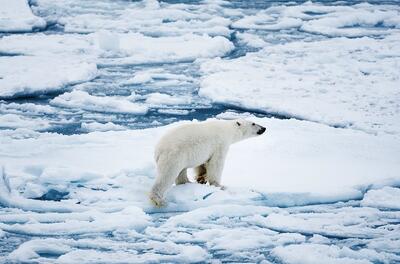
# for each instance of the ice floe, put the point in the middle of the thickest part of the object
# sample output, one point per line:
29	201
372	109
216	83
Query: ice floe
142	49
320	164
386	198
29	75
83	100
48	44
312	253
335	21
16	16
96	126
165	99
17	121
355	84
155	18
103	178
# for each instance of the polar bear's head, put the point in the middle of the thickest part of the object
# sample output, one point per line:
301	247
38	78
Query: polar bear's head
248	128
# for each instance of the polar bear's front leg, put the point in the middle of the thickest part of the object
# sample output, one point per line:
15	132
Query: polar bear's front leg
215	166
166	175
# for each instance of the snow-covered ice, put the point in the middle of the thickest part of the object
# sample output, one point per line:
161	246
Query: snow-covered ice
87	88
355	84
25	75
337	21
386	198
103	178
16	16
143	49
83	100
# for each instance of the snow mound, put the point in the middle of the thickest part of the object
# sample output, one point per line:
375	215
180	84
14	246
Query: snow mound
16	16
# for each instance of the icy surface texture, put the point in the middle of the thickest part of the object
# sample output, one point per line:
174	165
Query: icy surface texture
83	198
355	84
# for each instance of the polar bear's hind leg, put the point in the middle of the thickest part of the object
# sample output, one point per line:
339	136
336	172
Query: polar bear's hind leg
201	174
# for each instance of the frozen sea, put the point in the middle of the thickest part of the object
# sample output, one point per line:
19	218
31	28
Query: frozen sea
87	88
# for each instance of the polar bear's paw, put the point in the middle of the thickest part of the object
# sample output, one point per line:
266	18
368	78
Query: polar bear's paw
202	179
157	200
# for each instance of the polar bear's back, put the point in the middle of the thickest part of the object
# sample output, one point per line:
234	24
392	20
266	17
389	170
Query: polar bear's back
203	137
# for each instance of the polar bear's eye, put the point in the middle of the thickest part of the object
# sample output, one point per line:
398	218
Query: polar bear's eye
253	124
238	123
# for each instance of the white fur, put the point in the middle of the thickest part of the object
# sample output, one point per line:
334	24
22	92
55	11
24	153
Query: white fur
201	145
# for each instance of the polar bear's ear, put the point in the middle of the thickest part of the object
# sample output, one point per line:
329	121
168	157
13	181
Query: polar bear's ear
237	123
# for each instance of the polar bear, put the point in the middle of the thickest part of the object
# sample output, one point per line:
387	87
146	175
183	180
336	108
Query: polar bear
202	146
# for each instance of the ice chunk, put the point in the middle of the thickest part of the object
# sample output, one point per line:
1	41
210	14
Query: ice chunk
143	49
174	111
95	126
283	23
50	44
333	20
16	121
16	16
316	253
165	99
130	217
386	198
140	78
160	252
159	77
251	40
9	198
356	21
32	250
83	100
350	223
154	19
25	75
110	251
29	108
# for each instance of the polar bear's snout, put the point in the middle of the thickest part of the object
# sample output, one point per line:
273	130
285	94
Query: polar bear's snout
261	131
